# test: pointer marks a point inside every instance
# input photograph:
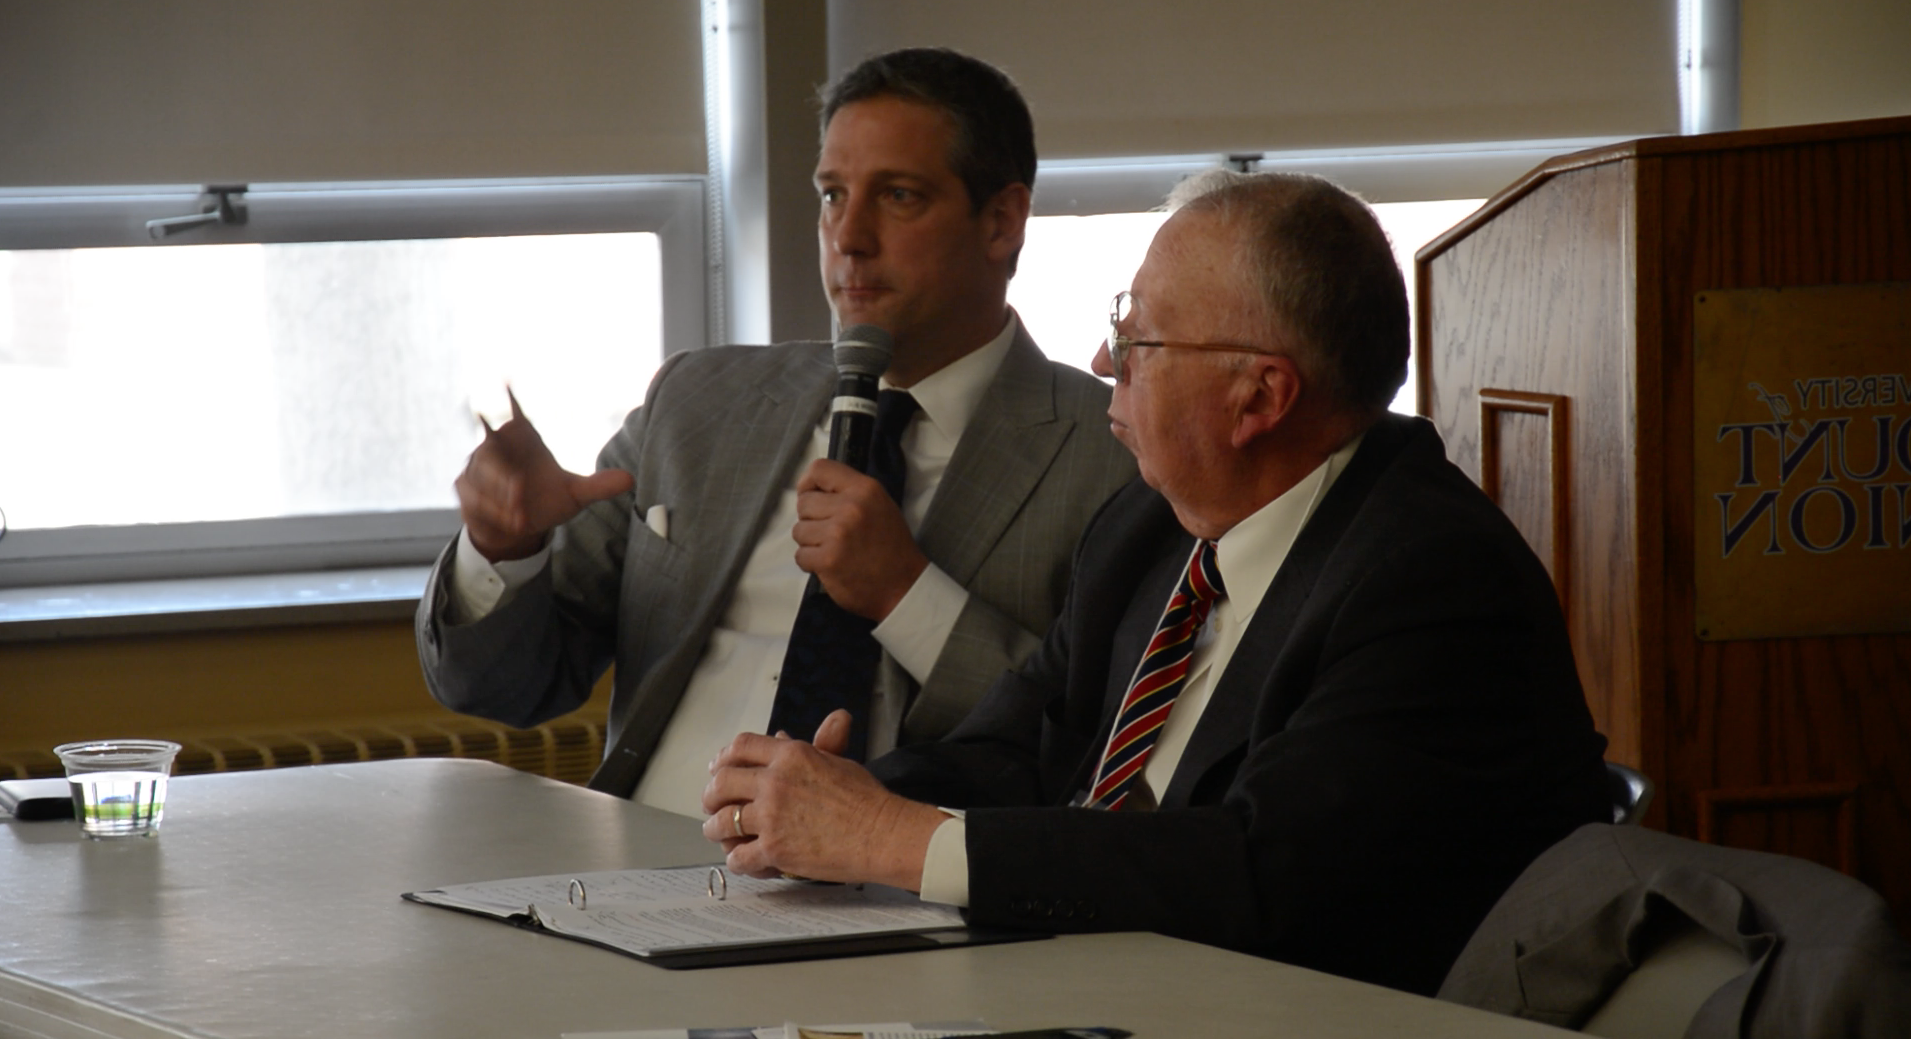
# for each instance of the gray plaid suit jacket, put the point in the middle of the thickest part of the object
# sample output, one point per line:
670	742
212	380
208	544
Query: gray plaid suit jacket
1823	959
717	441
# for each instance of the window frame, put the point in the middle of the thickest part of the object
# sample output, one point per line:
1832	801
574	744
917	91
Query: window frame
1417	173
672	207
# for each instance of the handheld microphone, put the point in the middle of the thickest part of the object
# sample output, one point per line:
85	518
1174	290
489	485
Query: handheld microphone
862	355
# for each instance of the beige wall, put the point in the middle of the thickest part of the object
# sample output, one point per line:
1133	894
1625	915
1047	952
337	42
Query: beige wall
205	684
1820	61
177	685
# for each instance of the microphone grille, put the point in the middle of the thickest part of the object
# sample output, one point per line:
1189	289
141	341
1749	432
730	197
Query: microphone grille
864	350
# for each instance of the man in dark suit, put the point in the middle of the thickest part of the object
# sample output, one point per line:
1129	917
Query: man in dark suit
684	558
1358	717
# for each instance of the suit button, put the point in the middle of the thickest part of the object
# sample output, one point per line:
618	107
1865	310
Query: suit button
1066	909
1044	908
1085	909
1019	907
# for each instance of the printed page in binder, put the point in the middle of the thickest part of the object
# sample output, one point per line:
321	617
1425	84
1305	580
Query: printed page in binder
657	912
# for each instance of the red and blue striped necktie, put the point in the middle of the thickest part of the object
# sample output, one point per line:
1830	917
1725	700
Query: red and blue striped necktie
1158	680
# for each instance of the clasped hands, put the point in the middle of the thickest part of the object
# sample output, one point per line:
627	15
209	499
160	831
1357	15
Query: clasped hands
804	810
848	531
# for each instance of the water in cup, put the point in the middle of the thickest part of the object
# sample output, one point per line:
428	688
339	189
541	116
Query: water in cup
119	804
119	786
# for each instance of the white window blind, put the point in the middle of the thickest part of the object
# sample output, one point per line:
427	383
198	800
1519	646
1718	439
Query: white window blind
1154	77
236	91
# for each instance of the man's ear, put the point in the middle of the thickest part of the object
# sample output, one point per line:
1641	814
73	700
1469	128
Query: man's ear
1005	221
1270	389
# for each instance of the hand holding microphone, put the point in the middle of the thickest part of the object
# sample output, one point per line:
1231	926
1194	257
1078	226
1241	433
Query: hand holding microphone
849	532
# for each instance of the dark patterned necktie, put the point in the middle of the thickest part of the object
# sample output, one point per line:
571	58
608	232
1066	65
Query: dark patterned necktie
1162	674
831	661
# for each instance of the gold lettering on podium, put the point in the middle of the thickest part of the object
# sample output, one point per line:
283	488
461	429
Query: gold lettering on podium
1802	461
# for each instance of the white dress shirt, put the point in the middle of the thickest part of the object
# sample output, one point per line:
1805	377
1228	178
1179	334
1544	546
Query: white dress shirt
1248	555
734	685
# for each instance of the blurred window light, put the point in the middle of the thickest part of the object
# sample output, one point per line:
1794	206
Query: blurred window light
1071	266
244	381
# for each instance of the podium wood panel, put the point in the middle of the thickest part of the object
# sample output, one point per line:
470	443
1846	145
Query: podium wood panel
1526	468
1579	281
1563	333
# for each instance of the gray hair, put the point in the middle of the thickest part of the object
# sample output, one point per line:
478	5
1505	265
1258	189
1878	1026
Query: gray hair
1325	272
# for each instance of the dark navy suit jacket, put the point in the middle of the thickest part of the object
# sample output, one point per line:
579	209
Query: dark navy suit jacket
1400	732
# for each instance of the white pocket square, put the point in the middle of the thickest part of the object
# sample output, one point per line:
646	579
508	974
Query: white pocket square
657	518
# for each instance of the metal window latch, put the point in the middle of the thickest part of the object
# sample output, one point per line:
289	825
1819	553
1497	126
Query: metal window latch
227	207
1243	162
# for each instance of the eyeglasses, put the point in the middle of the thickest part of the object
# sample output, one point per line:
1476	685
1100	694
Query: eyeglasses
1119	345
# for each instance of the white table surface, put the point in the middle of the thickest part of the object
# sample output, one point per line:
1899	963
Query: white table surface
268	906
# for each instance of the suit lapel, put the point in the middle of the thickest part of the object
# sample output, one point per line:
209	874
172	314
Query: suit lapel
1226	724
754	459
1009	443
753	447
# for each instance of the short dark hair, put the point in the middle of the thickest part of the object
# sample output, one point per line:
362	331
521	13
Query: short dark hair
994	134
1326	273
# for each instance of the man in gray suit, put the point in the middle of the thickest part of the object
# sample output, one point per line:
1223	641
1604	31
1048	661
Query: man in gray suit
683	559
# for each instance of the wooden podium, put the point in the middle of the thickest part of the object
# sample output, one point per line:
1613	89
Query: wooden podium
1680	364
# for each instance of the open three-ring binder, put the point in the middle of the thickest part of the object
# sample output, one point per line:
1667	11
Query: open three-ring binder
702	916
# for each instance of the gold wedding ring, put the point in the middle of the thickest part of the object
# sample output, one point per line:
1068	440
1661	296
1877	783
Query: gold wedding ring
736	820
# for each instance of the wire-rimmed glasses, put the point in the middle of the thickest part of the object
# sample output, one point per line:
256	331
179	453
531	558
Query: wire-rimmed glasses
1119	310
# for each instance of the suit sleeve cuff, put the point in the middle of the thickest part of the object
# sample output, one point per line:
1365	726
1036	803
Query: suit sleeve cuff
479	585
917	629
945	868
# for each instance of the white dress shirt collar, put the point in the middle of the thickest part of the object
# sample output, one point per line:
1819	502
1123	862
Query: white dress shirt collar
1251	553
948	397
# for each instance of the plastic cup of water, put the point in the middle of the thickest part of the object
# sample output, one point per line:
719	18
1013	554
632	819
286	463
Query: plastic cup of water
119	786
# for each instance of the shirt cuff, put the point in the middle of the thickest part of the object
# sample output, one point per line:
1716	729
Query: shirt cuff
945	868
919	626
479	585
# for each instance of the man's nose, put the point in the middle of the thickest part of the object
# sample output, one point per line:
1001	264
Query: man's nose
852	232
1103	365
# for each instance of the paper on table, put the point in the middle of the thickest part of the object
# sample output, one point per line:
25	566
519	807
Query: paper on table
883	1031
888	1030
795	913
652	911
